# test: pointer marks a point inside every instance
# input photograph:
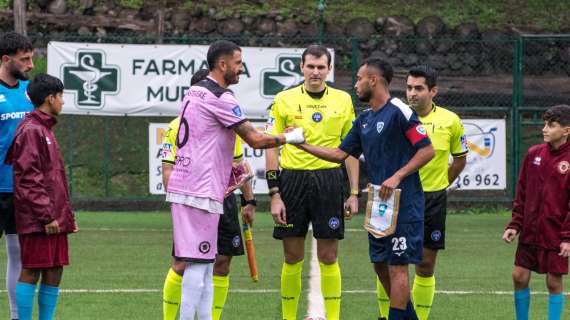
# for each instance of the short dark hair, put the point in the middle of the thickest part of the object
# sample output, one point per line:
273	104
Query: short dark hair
425	71
317	51
199	76
559	113
42	86
12	42
218	49
383	67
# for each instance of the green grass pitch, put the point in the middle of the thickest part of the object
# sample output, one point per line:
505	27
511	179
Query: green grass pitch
119	260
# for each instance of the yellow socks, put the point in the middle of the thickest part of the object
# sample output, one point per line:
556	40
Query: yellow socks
422	293
171	295
290	289
331	288
221	287
383	300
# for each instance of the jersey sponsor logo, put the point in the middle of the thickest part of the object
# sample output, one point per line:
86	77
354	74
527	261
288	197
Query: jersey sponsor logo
204	247
379	126
237	111
436	235
182	161
12	115
536	161
316	106
89	78
334	223
166	151
421	130
317	117
563	167
48	140
3	98
236	241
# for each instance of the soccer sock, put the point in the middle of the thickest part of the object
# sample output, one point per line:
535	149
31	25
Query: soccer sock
331	289
522	303
423	292
221	287
13	269
47	300
383	300
397	314
290	289
411	312
171	295
205	307
555	306
192	288
25	299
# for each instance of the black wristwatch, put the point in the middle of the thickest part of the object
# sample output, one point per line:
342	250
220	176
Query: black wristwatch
244	202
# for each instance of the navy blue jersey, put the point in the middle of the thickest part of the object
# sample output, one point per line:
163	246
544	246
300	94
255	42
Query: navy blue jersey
389	138
14	104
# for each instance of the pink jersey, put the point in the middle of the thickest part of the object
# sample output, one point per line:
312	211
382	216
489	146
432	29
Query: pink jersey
205	142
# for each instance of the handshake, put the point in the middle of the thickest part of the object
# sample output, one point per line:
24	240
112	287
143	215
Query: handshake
294	135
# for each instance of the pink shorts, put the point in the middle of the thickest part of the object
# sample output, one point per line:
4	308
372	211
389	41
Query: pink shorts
195	234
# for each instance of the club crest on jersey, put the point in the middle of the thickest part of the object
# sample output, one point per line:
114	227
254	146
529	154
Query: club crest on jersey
204	247
48	140
334	223
563	167
237	111
3	97
317	117
536	161
379	126
236	241
421	130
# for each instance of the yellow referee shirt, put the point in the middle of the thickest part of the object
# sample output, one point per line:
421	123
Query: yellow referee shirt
326	122
447	136
169	143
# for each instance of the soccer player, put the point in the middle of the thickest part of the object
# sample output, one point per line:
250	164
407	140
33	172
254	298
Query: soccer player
308	189
210	119
16	53
446	133
395	146
43	212
541	215
230	242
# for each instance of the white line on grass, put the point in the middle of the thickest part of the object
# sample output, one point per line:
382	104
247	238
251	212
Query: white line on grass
316	304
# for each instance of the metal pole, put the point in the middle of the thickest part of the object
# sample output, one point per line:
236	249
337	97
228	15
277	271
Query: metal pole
321	7
517	103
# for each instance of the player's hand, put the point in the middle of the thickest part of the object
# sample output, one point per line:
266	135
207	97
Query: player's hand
350	207
75	227
278	210
509	235
295	136
248	214
52	227
388	187
564	249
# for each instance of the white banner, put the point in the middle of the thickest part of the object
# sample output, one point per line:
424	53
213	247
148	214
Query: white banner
151	80
486	167
156	131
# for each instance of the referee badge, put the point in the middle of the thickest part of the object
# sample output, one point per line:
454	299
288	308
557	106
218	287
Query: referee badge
334	223
563	167
379	126
236	241
317	117
436	235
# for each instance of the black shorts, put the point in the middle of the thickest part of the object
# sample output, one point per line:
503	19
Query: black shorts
230	242
315	196
434	222
7	214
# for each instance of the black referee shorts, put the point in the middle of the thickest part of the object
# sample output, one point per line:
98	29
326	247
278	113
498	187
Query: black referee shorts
434	223
7	214
315	196
230	242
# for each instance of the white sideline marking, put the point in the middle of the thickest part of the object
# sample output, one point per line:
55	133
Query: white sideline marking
255	291
316	304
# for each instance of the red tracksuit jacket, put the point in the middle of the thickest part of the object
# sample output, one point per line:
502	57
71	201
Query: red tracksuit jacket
541	210
40	185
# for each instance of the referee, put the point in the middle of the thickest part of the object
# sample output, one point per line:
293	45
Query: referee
308	189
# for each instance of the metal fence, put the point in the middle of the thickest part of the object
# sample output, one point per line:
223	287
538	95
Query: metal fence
511	78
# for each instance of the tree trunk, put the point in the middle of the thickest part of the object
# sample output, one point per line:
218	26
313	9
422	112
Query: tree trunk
20	16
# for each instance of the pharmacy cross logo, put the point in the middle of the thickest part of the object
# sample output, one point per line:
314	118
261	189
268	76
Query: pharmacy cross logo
89	78
285	75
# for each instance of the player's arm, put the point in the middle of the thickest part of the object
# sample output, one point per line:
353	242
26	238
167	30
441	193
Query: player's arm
248	212
457	165
459	150
259	140
166	171
329	154
515	225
